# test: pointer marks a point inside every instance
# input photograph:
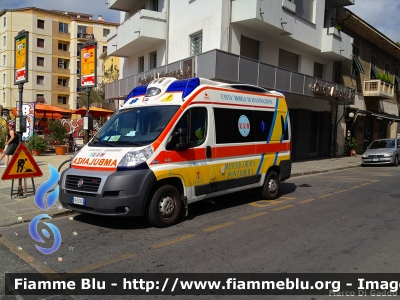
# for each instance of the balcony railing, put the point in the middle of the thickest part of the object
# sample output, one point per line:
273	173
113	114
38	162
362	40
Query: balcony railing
228	67
378	88
85	36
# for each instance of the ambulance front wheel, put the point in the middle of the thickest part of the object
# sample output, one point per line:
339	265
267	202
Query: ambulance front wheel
165	206
271	186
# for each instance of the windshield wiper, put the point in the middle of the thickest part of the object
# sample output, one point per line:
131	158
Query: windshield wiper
104	143
129	143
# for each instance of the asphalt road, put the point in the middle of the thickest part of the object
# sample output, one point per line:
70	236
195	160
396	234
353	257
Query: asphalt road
340	222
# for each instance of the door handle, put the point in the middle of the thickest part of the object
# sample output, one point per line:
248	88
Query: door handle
208	152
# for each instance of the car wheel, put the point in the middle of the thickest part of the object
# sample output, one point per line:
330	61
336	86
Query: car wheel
396	161
165	206
271	186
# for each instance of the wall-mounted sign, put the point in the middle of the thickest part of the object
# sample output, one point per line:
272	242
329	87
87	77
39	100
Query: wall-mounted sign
341	94
89	65
21	42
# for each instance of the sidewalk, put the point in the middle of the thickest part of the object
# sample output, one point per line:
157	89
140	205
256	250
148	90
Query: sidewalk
14	211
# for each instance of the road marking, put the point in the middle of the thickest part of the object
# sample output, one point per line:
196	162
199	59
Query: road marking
324	196
287	198
173	241
254	216
306	200
366	183
340	191
344	177
38	266
268	203
215	227
282	207
354	187
100	264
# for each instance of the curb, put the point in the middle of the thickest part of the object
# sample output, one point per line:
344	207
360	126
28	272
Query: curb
323	171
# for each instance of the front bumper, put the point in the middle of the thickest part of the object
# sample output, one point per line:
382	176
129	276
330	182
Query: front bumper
121	193
378	160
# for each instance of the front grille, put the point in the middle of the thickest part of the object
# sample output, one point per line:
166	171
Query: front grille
375	156
81	194
90	184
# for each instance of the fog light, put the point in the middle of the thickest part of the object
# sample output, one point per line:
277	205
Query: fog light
126	208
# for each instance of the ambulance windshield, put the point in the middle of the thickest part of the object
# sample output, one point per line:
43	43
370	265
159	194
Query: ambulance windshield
137	126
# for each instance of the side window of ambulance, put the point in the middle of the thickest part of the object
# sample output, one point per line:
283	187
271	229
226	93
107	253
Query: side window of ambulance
234	125
195	122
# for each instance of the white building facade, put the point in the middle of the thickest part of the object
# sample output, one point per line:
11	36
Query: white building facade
290	46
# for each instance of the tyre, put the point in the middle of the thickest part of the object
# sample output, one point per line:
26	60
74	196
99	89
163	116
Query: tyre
271	186
396	161
165	206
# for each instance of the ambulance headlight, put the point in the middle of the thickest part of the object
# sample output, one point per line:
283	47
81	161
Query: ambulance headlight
135	158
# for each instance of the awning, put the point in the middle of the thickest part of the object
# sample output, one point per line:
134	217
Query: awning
360	112
358	65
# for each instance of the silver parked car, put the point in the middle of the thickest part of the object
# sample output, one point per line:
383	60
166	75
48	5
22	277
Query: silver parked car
384	151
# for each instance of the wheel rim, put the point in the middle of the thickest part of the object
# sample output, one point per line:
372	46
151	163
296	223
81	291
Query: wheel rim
272	185
166	206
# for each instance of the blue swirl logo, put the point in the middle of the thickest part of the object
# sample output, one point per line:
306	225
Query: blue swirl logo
45	203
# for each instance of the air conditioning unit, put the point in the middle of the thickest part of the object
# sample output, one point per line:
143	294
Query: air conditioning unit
61	66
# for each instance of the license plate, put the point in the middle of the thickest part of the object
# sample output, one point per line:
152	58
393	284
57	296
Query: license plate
375	159
79	201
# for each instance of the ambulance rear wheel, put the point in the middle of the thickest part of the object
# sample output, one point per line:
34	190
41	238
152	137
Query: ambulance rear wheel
271	186
165	206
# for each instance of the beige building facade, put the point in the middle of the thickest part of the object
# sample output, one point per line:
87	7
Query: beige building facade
53	54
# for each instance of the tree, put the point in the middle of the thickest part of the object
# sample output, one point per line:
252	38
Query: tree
398	43
97	94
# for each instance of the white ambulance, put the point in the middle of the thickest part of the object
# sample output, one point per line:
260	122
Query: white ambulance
175	142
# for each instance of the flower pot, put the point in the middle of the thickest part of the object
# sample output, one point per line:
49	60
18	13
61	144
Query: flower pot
352	152
35	152
60	150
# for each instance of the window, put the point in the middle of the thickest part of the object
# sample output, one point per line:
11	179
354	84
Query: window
4	78
40	24
62	100
4	59
104	48
62	46
40	61
318	70
387	69
40	79
396	80
195	122
62	81
153	60
106	31
63	27
141	64
374	72
356	67
196	43
288	60
40	43
4	21
154	5
62	63
249	47
4	97
40	98
81	29
305	8
4	40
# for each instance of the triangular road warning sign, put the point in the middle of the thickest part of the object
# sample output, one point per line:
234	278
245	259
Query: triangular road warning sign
22	165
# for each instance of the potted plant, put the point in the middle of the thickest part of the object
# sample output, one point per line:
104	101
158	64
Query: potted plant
58	133
3	136
36	144
350	146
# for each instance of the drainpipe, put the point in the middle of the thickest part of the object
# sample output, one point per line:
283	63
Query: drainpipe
166	41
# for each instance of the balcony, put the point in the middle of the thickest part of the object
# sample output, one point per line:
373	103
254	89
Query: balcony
141	31
227	67
122	5
337	3
336	44
275	19
378	88
85	36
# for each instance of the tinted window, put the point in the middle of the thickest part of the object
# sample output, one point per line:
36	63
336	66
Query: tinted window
234	126
263	120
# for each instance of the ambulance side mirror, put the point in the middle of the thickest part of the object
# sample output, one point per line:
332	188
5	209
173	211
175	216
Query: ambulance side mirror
183	139
179	140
